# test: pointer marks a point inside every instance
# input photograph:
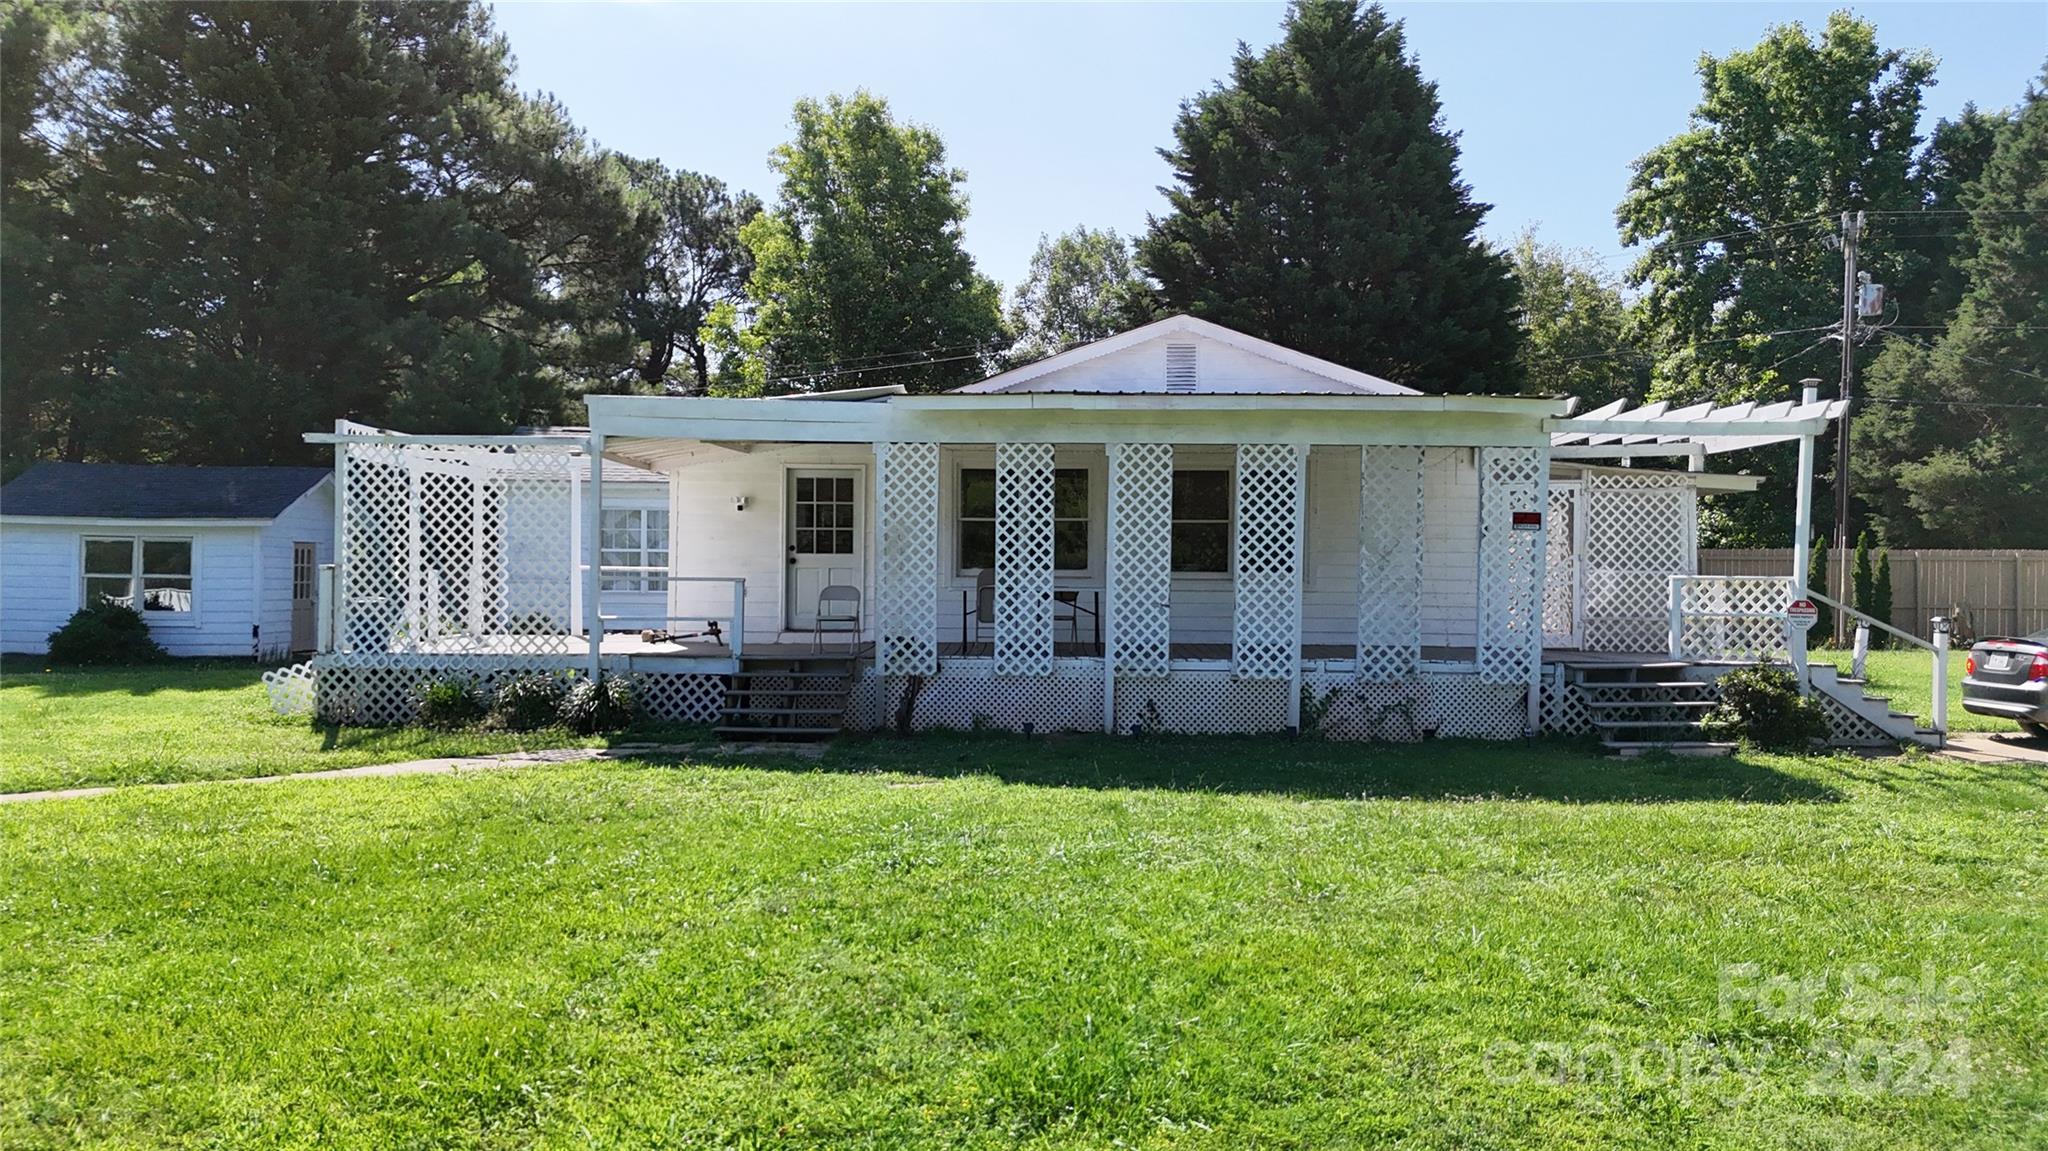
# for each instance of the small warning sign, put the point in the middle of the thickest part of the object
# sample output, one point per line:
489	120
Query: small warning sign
1802	613
1527	521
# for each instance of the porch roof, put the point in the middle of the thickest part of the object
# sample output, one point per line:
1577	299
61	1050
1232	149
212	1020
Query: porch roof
1622	430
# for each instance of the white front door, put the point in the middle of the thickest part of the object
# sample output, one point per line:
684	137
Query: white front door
1564	597
823	540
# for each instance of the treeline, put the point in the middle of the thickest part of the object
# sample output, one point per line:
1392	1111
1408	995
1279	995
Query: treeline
228	223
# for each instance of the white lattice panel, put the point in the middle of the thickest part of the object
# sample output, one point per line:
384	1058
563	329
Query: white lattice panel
1140	557
1561	567
1389	563
1023	600
448	548
1266	616
1639	533
1733	617
967	693
1202	703
680	697
1511	480
381	689
907	558
290	689
1846	728
1447	705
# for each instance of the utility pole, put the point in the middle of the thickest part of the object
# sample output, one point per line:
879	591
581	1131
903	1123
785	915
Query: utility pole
1852	230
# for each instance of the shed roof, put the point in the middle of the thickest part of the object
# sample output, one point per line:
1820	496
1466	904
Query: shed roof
156	491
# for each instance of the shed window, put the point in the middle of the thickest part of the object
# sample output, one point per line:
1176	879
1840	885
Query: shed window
151	575
1069	519
1201	521
634	538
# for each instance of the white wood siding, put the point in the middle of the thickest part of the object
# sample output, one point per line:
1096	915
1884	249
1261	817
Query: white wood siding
708	538
309	519
41	585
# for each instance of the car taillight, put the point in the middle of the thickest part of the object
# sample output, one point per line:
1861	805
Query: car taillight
1969	665
2040	669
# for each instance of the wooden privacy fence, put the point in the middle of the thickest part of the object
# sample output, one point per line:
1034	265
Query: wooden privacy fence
2002	592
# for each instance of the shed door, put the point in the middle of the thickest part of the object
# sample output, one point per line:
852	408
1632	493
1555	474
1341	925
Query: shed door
305	557
823	540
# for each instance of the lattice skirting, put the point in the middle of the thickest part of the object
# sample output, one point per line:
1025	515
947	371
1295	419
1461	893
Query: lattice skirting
381	689
1449	704
1846	728
965	694
1201	703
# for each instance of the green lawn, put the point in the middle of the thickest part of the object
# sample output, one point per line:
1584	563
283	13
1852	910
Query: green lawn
191	720
1908	678
1078	942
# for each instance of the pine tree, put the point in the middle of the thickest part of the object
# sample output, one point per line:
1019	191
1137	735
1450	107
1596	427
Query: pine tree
1316	202
1817	580
1880	607
1862	581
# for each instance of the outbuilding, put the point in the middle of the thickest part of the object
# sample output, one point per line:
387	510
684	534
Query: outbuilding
221	561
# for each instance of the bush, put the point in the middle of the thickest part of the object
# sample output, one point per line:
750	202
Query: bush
448	704
104	633
527	702
1762	706
602	704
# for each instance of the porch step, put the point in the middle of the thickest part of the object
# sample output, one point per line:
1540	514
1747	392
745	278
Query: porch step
1653	706
795	697
1630	750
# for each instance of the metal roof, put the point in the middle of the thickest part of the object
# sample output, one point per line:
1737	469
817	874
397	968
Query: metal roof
156	491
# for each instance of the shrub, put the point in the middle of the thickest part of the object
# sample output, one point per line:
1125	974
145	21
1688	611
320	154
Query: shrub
602	704
527	702
104	633
1762	706
448	704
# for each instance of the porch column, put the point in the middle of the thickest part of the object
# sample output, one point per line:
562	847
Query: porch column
1024	520
1802	539
1137	612
1265	626
1513	492
906	559
593	516
1389	564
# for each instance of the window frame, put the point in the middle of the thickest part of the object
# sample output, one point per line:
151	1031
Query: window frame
1087	520
137	577
1229	522
637	582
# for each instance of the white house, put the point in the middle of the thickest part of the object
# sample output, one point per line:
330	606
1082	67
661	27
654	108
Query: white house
220	561
1179	527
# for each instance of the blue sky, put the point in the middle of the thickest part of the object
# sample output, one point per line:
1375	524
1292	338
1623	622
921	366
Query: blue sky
1054	110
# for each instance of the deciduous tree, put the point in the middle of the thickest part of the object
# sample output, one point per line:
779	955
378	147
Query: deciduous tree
1082	286
1578	339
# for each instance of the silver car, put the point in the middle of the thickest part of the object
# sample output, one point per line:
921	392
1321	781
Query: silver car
2009	678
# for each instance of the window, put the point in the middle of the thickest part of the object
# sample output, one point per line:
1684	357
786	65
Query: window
1069	519
1201	521
150	575
824	515
633	538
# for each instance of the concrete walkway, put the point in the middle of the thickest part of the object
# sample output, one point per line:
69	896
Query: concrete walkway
453	765
1983	747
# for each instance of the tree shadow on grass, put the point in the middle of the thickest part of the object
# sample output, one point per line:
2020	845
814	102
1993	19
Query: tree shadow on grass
1564	771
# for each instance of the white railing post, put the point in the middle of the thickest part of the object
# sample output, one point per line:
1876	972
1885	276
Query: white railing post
593	515
1859	653
739	617
1940	718
1675	621
1795	650
575	551
323	609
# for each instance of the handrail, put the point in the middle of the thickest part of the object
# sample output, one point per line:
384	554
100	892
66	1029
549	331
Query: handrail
1852	613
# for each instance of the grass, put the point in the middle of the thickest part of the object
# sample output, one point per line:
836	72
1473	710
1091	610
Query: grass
1908	678
1081	942
194	720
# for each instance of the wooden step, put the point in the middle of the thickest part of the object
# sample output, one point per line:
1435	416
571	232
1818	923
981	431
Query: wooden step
736	729
1629	750
1687	723
838	691
1638	705
733	711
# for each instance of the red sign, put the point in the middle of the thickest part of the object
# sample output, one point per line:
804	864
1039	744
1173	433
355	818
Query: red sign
1803	613
1527	521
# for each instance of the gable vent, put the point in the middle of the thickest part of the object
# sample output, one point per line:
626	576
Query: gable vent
1180	367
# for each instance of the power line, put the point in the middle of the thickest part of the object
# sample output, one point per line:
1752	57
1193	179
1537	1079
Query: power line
876	368
1924	345
1906	403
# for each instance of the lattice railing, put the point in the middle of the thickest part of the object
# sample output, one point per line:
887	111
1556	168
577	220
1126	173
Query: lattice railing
1266	617
1140	557
1639	533
1389	563
1728	617
907	558
1024	530
1511	481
